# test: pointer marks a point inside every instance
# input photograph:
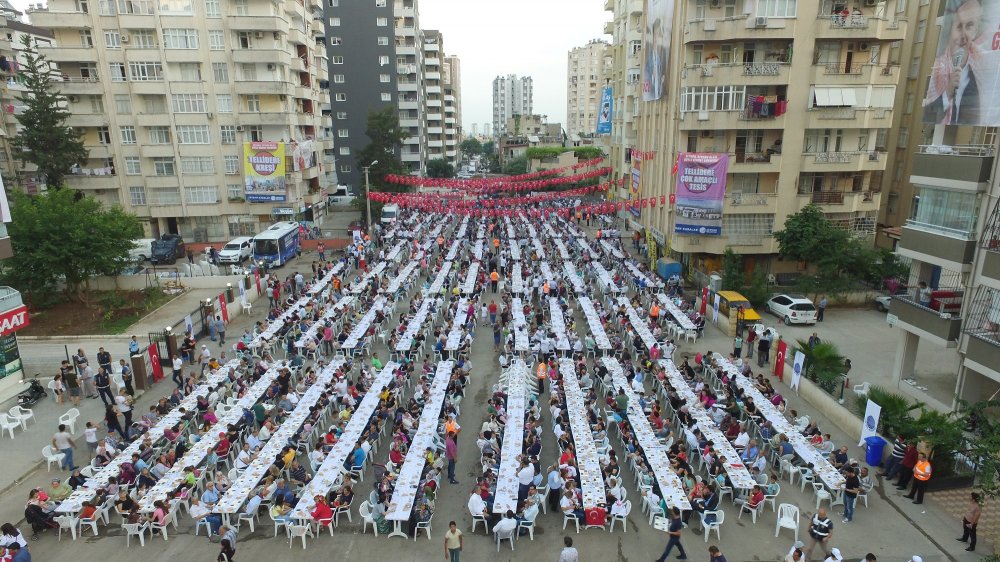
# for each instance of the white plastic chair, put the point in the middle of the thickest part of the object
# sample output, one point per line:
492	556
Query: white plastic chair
477	519
51	456
506	535
153	526
567	517
87	471
365	510
203	522
299	531
135	530
249	518
821	493
67	522
771	498
691	336
246	306
8	425
622	517
22	415
862	389
277	523
720	517
426	526
528	524
52	388
89	522
753	511
69	418
788	518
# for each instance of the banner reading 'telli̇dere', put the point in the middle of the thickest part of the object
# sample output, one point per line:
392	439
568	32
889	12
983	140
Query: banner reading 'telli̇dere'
701	190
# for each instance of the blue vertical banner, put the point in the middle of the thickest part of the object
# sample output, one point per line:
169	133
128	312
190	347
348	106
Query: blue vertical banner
604	112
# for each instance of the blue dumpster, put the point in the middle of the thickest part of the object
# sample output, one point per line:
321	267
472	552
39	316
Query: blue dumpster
873	450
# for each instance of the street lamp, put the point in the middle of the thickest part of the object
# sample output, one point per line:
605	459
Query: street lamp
368	200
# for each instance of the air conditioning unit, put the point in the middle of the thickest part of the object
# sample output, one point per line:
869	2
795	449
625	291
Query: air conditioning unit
865	46
73	99
277	35
760	21
259	35
271	66
716	3
124	38
239	128
702	116
706	71
211	115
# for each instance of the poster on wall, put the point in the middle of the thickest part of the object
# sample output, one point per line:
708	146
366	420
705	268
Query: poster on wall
701	190
604	112
656	48
303	155
264	172
10	357
634	188
964	86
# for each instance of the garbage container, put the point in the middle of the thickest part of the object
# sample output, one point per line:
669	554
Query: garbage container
873	450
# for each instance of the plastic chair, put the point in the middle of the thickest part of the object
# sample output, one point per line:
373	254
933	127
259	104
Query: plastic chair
622	517
89	522
506	535
51	456
788	518
246	306
426	526
22	415
203	522
528	524
8	425
770	498
720	517
342	510
567	517
69	418
753	511
67	522
249	518
299	531
365	510
862	389
52	388
277	523
135	530
327	523
162	528
821	493
87	471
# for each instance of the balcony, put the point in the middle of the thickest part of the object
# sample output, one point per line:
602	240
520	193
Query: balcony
740	27
756	162
849	117
736	119
609	5
406	49
836	201
609	28
69	53
10	298
258	87
844	74
80	85
751	203
747	244
940	323
265	118
256	55
408	105
757	74
859	27
55	20
959	167
843	161
937	246
991	265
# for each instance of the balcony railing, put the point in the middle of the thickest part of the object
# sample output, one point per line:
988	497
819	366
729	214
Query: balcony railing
848	21
842	68
9	298
827	197
983	150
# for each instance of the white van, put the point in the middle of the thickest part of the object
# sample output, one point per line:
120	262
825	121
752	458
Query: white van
236	250
141	249
390	213
339	197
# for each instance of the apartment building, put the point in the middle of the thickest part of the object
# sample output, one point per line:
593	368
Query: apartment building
174	98
512	95
797	95
587	69
624	77
440	76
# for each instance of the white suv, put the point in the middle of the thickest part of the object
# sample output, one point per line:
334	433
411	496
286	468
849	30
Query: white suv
237	250
792	309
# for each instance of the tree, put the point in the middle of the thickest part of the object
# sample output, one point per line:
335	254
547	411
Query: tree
489	147
732	271
59	237
471	147
45	140
440	168
824	364
386	138
757	292
516	166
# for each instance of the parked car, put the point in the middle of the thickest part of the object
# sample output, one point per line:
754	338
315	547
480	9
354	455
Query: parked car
237	250
792	309
167	249
142	249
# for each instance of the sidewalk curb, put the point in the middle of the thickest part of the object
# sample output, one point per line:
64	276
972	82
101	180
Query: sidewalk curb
64	338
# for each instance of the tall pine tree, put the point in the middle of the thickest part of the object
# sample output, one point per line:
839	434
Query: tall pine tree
45	140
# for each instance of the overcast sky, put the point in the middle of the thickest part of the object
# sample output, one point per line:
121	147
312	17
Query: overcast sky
524	37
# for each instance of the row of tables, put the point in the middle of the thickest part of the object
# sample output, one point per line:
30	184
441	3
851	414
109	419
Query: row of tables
588	463
594	321
682	319
558	323
505	497
638	324
461	317
361	328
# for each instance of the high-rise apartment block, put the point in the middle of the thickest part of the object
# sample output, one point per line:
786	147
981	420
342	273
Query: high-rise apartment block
441	87
623	76
587	70
512	95
180	103
799	97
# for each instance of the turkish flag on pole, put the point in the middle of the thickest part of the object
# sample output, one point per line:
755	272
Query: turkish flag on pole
779	360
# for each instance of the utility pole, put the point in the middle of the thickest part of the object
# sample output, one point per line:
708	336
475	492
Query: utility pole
368	199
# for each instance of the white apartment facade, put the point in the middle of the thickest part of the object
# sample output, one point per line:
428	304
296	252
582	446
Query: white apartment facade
512	95
588	69
624	77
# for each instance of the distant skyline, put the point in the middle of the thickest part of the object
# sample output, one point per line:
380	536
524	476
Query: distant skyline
523	37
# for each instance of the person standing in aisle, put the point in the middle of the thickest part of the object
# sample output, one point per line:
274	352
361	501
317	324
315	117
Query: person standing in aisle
451	453
453	543
569	553
921	476
970	521
674	530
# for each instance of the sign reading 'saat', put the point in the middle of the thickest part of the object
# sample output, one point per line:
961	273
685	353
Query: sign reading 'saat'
13	320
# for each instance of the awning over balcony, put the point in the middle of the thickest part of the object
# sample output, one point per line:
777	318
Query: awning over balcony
835	97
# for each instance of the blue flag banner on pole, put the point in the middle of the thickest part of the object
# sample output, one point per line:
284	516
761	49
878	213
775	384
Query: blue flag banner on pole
604	112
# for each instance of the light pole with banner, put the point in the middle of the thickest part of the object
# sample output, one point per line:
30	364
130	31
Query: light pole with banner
368	199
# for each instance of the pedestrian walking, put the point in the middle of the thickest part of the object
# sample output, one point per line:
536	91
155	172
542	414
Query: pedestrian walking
124	404
921	476
674	530
451	453
970	521
205	357
104	360
62	441
820	531
103	383
852	487
714	555
453	542
220	328
176	375
72	382
751	342
821	308
763	350
569	552
111	420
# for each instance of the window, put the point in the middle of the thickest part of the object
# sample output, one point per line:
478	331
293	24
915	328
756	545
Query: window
123	104
915	67
345	168
342	133
103	135
713	98
341	115
345	151
750	224
220	72
189	71
154	105
383	78
86	39
212	9
144	39
137	195
164	166
776	8
341	97
248	71
159	135
745	183
634	47
188	103
235	191
232	164
117	70
382	60
228	134
183	7
176	38
165	195
245	39
334	22
113	39
900	6
338	60
132	166
197	165
242	8
863	137
201	194
224	103
145	71
380	3
338	78
193	134
386	96
910	98
252	103
946	211
127	134
216	40
256	133
904	137
381	22
822	140
96	104
921	31
383	40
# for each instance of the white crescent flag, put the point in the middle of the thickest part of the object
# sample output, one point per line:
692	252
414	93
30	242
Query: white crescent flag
869	425
797	366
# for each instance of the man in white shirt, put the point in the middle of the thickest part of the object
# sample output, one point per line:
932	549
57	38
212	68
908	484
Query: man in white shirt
253	504
506	526
176	376
742	439
477	507
525	477
199	512
244	458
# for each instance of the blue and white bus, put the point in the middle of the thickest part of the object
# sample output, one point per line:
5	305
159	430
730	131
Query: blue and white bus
276	245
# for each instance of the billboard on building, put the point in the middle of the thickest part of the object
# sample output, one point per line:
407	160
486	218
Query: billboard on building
264	171
701	191
635	187
604	113
656	48
964	86
303	155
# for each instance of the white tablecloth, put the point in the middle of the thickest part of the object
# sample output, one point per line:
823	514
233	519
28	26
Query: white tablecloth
547	275
414	326
403	275
453	250
635	273
551	232
439	279
516	280
520	325
682	319
604	277
373	274
594	321
574	278
328	472
588	463
405	492
585	246
469	285
361	328
611	250
537	245
461	317
561	248
515	250
242	487
344	303
477	249
462	227
655	453
638	324
505	497
558	322
395	252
